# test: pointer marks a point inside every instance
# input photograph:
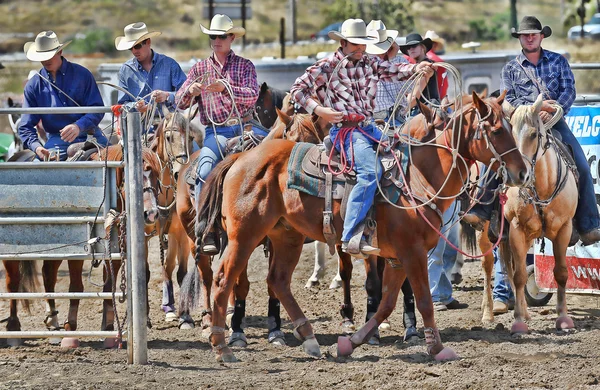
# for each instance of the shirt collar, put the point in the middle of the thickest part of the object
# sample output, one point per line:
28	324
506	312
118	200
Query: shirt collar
340	56
228	58
138	65
62	70
521	57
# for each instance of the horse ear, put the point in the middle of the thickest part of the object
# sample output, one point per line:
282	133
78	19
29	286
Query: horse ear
479	104
10	102
484	93
500	98
285	118
263	87
426	111
537	106
508	108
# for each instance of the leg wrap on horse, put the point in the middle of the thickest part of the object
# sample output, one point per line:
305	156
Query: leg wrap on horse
239	312
347	312
274	315
372	306
432	339
365	333
298	325
168	301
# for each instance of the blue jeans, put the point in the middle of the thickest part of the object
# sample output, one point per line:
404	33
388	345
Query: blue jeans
212	152
361	197
54	142
502	291
441	258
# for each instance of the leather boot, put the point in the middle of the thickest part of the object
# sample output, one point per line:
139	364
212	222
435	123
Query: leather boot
590	237
209	245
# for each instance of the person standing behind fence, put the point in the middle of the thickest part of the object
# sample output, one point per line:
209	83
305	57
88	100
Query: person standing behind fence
59	83
148	75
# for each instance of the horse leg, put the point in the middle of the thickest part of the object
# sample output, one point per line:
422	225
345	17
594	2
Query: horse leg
13	279
240	293
276	335
186	295
75	285
110	272
337	281
49	276
487	263
168	300
561	273
319	270
519	246
373	288
204	266
347	309
287	247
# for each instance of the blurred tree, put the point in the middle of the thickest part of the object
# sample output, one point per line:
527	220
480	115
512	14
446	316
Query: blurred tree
513	13
394	13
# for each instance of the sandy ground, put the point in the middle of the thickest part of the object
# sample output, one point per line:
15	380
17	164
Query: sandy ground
490	357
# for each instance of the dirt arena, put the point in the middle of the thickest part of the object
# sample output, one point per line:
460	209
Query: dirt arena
490	357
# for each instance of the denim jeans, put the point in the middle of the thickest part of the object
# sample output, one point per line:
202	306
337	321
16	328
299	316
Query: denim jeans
361	197
213	150
441	258
54	142
502	290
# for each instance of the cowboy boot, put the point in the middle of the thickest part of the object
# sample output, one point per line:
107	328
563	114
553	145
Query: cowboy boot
590	237
209	245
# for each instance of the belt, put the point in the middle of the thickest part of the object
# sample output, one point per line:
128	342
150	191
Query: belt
236	121
352	124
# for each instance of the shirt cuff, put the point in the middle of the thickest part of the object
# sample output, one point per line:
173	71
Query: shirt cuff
34	145
311	105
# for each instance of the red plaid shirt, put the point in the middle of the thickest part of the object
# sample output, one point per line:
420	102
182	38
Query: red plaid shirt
352	88
241	75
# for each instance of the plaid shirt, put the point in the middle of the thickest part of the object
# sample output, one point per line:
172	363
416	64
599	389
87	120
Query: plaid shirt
387	91
553	76
240	74
351	88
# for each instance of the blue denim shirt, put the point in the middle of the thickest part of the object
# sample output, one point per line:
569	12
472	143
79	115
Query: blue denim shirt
75	81
165	75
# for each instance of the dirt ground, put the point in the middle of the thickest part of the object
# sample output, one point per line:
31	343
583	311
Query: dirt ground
490	357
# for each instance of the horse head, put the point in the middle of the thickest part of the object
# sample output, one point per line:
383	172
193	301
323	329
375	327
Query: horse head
299	128
269	100
172	142
487	138
527	128
151	169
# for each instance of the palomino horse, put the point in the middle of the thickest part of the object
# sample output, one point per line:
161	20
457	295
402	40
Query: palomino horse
248	196
543	208
299	128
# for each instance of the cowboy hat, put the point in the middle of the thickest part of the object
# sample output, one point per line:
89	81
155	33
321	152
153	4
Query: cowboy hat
353	31
385	38
45	46
530	25
222	24
134	34
435	38
416	39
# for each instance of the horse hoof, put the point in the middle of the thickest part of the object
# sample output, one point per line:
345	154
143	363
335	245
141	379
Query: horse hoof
226	356
69	342
374	340
186	325
171	316
519	328
312	283
55	340
445	355
564	323
14	342
110	343
344	346
277	337
238	339
335	283
385	325
279	341
348	327
311	347
205	333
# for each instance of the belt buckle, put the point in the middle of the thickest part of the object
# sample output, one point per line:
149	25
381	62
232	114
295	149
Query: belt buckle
232	122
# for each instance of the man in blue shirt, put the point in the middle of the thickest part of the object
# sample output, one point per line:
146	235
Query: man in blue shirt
148	74
536	71
59	83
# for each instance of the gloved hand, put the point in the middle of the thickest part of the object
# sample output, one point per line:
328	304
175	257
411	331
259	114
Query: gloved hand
385	146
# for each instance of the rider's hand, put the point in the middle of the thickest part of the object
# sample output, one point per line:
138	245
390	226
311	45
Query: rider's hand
70	132
427	67
217	86
329	114
141	106
547	106
384	144
160	96
195	89
42	153
545	116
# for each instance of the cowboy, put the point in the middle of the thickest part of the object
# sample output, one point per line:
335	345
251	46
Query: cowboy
437	49
341	89
534	71
226	88
416	48
59	83
148	75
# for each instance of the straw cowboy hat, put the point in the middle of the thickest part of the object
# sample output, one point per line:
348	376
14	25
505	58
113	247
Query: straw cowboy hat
531	25
45	46
435	38
134	34
416	39
385	38
353	31
222	24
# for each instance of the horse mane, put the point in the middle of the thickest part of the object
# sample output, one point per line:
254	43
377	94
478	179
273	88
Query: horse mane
152	159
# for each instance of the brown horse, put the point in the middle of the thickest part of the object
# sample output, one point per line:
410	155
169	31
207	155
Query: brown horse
543	208
248	195
301	127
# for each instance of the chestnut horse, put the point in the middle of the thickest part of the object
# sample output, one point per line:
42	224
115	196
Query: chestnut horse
543	208
248	196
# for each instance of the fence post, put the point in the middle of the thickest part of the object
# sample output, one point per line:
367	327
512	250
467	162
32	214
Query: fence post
136	251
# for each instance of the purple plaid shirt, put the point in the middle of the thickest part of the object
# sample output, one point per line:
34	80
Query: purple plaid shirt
351	88
240	74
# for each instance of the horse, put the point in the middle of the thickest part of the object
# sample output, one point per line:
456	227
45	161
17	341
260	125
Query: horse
269	99
302	127
544	207
247	197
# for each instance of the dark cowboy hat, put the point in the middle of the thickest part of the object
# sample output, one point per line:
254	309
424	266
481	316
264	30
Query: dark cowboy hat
415	39
531	25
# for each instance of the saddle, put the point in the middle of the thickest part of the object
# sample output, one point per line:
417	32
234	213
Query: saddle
81	151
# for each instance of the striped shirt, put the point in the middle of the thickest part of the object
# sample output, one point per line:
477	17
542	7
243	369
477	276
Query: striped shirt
345	86
165	75
552	74
387	91
241	75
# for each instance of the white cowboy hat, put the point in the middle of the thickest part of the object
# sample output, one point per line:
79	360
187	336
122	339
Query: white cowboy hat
45	46
385	38
435	38
353	31
134	34
222	24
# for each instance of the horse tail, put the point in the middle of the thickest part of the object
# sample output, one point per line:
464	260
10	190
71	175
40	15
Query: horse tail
507	260
208	215
29	282
469	236
190	290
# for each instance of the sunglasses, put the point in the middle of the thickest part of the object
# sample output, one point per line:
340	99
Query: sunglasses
139	45
221	37
412	46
